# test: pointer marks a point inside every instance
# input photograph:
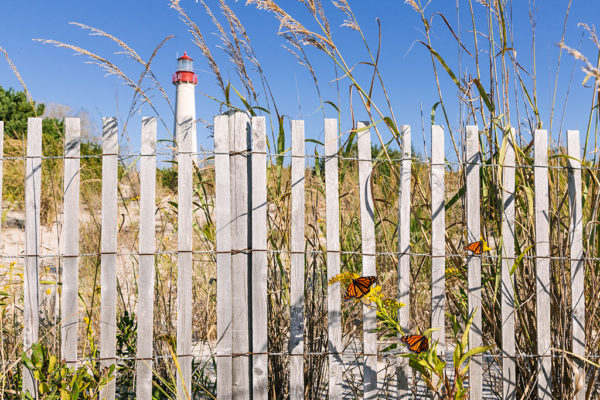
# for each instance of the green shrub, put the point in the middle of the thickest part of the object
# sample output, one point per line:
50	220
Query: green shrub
57	380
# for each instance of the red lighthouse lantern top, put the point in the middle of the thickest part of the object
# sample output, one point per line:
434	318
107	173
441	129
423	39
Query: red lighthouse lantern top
185	71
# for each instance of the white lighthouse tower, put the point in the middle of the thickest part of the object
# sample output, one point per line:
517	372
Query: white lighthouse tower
185	107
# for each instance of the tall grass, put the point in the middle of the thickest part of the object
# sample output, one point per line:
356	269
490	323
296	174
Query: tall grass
495	91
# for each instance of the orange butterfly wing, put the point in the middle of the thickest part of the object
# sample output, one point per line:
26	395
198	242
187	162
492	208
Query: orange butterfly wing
416	343
475	247
350	291
359	287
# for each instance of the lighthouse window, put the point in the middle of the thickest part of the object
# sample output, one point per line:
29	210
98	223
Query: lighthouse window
185	65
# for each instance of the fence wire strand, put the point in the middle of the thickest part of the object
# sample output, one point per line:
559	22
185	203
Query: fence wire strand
209	154
306	252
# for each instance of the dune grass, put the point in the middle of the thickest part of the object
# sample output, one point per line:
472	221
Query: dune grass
497	94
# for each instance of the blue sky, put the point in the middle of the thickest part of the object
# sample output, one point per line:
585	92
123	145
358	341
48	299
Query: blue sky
55	75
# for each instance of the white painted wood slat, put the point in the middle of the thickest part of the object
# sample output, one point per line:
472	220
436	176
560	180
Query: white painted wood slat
70	243
108	246
147	246
296	343
509	379
576	239
184	134
332	216
259	259
542	263
403	295
223	246
367	223
31	306
438	235
240	143
473	212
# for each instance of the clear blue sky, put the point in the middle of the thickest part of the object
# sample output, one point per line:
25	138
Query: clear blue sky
55	75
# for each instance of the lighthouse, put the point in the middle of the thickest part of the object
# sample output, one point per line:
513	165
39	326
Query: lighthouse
185	80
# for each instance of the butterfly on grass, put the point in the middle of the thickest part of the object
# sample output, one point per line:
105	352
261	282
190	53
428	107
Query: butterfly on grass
359	287
477	247
415	343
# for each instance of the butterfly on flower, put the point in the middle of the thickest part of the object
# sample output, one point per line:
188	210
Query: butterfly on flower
415	343
359	287
477	247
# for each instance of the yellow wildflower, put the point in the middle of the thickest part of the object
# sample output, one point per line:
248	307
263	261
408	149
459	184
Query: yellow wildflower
373	295
48	291
452	271
390	308
344	277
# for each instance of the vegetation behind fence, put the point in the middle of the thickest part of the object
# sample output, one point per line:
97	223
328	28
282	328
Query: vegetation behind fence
257	240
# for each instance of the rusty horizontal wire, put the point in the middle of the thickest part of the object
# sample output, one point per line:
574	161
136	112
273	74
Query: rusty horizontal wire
305	354
314	156
307	252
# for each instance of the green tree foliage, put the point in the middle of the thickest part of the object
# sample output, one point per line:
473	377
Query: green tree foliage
14	111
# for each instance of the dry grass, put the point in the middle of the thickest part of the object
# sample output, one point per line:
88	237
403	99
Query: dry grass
507	99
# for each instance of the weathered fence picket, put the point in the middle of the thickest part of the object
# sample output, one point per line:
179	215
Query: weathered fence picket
332	217
542	263
33	187
404	199
367	224
576	239
509	379
184	132
260	342
241	219
239	146
438	236
472	204
108	248
297	243
223	247
70	242
145	308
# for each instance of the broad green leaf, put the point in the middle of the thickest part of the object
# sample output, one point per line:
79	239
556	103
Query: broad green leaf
280	141
44	388
390	123
465	338
520	258
472	352
246	104
261	109
227	93
484	95
454	199
393	346
314	141
444	65
27	361
332	104
51	363
433	112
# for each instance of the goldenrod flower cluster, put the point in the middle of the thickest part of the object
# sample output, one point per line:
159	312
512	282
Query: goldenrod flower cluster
344	277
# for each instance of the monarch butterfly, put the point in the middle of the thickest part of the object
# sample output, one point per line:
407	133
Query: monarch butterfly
477	247
415	343
359	287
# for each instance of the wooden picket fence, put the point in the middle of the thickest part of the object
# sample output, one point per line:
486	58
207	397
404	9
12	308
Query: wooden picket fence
241	207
